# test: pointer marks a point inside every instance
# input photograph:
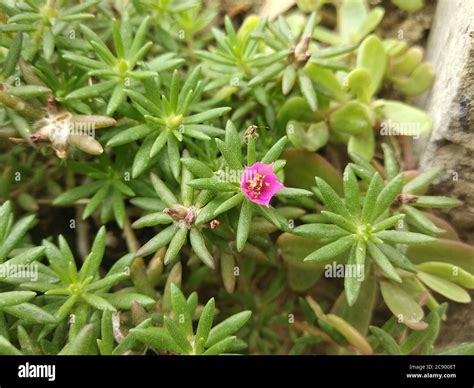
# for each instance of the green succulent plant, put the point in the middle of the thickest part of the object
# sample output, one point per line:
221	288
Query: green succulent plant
181	217
14	259
202	128
178	336
410	6
235	60
73	286
229	181
118	71
108	190
406	69
362	227
392	338
168	120
348	111
191	17
296	49
11	232
355	20
46	20
411	200
43	80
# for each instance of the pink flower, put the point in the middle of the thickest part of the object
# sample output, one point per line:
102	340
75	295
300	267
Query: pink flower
259	183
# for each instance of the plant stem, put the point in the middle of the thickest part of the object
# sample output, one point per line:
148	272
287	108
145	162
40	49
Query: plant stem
129	234
19	105
83	244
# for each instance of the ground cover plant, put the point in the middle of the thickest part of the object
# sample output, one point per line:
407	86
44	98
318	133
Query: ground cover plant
180	179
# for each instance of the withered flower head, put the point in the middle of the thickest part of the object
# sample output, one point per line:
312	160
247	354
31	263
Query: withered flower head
251	131
300	53
186	216
62	129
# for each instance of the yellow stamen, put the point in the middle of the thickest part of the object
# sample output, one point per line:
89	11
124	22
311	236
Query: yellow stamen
256	185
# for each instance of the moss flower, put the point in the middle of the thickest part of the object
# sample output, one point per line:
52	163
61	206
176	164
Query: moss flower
259	183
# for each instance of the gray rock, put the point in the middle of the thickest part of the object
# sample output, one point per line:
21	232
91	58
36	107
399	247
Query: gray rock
451	144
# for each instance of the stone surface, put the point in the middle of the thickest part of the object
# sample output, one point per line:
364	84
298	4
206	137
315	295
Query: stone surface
451	144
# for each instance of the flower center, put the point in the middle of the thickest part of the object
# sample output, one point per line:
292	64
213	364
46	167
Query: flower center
257	184
122	67
76	288
48	12
174	121
364	231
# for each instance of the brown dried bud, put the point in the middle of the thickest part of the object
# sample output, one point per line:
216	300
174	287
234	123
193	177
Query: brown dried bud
301	53
405	198
251	132
190	217
139	314
177	213
52	105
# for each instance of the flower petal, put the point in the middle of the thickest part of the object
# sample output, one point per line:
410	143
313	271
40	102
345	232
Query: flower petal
259	183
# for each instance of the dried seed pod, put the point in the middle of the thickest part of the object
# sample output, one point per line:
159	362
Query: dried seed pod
301	52
95	121
86	143
63	129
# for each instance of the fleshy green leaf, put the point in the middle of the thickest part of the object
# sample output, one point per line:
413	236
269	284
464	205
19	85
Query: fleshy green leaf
402	305
373	191
444	287
352	118
413	121
175	245
382	262
205	321
404	237
94	259
331	250
332	199
243	227
157	338
227	327
199	247
180	310
387	342
387	196
12	298
178	335
372	57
